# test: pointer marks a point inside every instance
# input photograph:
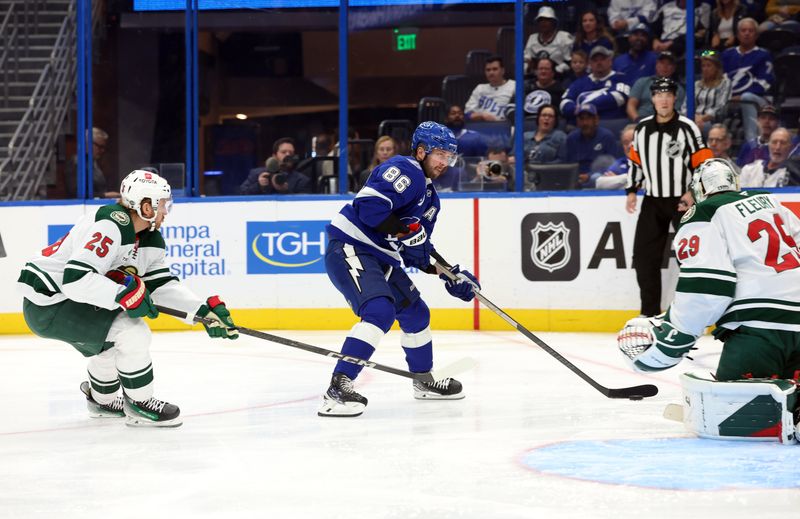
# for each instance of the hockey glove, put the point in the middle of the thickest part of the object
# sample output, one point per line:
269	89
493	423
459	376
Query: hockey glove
650	344
134	298
416	248
462	287
222	325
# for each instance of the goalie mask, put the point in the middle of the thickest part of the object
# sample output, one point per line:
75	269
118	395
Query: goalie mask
140	185
713	176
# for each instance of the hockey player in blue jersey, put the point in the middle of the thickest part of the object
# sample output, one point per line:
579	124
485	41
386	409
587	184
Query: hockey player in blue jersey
389	224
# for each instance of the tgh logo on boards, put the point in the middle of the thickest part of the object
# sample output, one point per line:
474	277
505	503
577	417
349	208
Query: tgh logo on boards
296	247
550	247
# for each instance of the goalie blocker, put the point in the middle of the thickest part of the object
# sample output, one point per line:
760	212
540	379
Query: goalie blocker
752	409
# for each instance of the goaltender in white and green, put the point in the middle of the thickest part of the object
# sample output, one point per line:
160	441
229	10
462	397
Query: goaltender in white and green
739	269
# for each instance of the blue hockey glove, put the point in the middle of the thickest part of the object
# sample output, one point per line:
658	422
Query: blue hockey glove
462	287
416	248
134	298
223	323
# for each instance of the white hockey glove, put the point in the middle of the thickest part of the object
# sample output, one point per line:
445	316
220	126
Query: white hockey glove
650	344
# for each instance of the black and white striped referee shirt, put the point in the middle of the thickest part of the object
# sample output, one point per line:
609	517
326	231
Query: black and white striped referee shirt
663	156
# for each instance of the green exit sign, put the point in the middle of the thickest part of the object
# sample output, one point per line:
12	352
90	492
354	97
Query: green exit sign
404	39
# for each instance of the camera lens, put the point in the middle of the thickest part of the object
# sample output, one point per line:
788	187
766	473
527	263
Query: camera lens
495	168
280	178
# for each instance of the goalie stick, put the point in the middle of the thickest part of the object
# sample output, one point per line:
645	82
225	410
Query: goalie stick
448	371
632	393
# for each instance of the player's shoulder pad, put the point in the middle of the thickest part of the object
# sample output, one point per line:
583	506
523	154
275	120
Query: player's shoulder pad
120	217
153	239
705	210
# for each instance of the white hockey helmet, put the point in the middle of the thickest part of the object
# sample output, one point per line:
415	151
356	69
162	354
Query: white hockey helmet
139	185
714	176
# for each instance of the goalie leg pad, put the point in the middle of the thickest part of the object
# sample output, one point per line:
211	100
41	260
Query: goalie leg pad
752	409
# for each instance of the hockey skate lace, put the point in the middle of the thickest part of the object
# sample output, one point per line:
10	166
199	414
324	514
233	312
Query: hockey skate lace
346	385
441	384
154	405
116	405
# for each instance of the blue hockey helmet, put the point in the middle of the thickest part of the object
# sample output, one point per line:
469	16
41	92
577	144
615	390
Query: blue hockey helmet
431	136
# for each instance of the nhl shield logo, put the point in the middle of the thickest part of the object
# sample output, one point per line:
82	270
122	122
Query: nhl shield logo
674	148
550	246
550	249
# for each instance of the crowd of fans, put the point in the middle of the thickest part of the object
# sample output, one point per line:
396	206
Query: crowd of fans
587	83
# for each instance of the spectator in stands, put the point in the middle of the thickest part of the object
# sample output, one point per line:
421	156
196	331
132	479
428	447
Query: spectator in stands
604	88
779	12
385	148
750	70
547	144
490	101
548	41
640	103
719	142
590	141
616	176
712	91
99	181
639	61
470	143
670	25
725	18
578	68
623	15
545	89
278	176
591	33
758	148
770	172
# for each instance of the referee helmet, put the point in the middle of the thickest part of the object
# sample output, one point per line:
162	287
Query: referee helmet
663	84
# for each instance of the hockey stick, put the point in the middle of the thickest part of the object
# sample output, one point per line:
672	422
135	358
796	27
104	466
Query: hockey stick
632	393
448	371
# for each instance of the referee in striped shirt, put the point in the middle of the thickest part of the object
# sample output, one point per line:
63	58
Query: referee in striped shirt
666	149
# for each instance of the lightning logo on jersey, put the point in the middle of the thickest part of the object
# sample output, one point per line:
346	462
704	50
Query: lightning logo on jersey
355	267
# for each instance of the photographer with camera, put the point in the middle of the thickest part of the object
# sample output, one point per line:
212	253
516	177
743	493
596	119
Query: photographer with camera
279	176
494	171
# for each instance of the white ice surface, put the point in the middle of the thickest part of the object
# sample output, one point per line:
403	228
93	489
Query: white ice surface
252	445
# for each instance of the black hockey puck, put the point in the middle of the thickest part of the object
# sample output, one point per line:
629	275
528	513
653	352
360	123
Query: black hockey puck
635	397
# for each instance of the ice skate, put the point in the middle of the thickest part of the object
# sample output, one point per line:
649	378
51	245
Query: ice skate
151	413
341	399
445	389
98	410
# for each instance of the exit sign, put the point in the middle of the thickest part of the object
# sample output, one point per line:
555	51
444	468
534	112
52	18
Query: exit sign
404	39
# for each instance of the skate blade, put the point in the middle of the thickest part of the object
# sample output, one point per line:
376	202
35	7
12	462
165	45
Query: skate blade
334	409
132	421
105	415
96	412
419	395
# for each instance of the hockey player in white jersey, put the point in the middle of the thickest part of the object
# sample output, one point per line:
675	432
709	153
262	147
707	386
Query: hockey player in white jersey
93	287
740	270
